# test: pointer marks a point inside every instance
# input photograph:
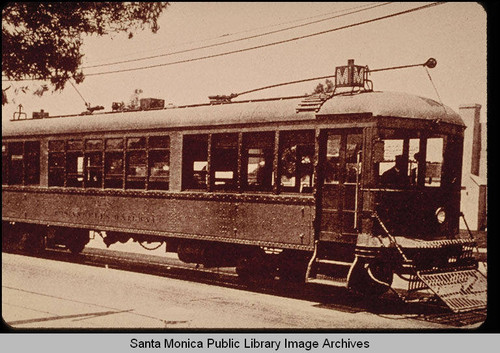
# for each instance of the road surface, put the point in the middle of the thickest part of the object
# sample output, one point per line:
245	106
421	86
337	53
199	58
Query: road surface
45	294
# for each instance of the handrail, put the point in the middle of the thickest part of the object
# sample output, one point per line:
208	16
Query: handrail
391	237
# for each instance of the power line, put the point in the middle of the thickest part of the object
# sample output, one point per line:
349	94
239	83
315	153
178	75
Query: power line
235	40
249	30
269	44
263	45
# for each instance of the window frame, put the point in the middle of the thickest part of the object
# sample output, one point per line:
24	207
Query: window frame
25	159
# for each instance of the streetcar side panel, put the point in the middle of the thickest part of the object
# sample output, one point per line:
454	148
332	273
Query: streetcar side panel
284	224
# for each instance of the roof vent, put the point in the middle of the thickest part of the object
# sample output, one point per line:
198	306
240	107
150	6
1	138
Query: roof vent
220	99
40	115
152	103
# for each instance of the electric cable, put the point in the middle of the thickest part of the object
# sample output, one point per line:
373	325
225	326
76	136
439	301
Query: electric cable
230	41
269	44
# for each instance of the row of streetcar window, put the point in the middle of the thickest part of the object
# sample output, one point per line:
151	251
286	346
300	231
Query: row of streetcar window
132	163
224	169
216	161
229	161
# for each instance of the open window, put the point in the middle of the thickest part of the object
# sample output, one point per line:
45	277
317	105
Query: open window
224	161
74	163
159	162
136	163
195	162
408	159
93	163
113	167
434	161
297	160
16	159
332	165
56	163
257	165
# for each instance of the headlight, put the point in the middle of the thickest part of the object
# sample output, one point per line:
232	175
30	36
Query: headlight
440	215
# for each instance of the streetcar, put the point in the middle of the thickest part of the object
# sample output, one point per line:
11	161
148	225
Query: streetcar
349	188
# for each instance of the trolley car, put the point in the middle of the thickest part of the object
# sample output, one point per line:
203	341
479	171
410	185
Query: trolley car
343	189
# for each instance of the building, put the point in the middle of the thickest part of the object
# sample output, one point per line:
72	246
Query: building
474	181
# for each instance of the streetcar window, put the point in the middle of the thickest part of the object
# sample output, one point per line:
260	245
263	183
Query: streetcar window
392	149
93	145
297	160
353	149
159	142
32	163
113	170
74	163
434	161
74	169
136	163
258	153
93	163
411	161
75	145
16	159
195	162
114	144
113	163
136	143
56	163
224	161
56	146
21	163
136	169
159	162
332	170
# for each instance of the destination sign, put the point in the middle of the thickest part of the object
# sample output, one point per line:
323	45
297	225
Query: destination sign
350	75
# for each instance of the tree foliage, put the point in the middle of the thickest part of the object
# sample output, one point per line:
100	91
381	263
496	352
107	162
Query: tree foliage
324	88
43	40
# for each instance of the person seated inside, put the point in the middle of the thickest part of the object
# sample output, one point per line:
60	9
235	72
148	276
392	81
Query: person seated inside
396	176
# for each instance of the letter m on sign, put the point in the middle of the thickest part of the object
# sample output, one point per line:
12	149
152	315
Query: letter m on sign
358	73
342	76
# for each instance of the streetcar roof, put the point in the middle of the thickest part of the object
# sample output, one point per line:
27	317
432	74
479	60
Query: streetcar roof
387	104
391	104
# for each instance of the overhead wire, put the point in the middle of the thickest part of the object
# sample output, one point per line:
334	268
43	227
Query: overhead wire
270	44
234	40
252	30
261	46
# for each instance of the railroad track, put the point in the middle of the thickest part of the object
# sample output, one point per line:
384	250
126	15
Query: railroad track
329	298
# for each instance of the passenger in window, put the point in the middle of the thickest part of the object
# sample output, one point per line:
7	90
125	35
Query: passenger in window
414	170
396	176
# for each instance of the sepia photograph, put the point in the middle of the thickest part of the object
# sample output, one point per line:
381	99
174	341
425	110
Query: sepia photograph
244	166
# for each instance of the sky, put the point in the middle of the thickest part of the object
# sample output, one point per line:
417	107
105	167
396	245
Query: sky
452	33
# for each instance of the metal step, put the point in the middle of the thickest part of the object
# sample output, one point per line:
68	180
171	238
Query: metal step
328	282
333	262
463	290
313	276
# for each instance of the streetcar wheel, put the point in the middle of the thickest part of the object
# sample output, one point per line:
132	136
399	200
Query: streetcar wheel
255	267
31	239
292	268
370	278
76	240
